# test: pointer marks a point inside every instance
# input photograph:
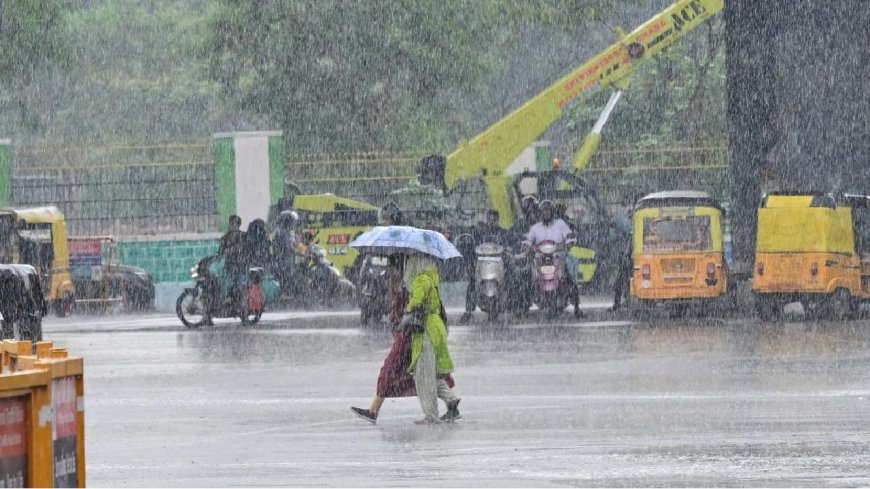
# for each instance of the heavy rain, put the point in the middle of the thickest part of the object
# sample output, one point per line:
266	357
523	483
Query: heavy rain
415	243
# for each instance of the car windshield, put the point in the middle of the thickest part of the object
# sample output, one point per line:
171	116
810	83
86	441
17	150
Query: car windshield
677	233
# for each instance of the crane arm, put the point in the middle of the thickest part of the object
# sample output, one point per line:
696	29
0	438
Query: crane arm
492	151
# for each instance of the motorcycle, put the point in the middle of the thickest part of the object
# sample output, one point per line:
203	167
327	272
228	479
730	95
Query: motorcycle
553	289
198	305
490	276
373	297
322	281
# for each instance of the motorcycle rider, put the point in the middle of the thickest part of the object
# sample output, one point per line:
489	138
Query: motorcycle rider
551	228
232	250
284	251
523	223
485	232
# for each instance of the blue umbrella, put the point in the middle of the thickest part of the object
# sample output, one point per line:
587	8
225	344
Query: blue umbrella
405	239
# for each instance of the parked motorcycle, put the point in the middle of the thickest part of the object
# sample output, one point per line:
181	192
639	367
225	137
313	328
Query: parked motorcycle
206	300
373	296
553	291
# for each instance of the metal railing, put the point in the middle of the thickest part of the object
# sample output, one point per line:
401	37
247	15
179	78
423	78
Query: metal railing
120	190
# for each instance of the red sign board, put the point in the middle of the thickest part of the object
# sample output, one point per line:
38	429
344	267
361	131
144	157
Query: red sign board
338	239
13	442
63	396
85	246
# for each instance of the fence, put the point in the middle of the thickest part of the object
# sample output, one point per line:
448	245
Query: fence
121	190
620	174
369	177
170	188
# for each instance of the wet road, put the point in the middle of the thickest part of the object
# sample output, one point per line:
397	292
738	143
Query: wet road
603	402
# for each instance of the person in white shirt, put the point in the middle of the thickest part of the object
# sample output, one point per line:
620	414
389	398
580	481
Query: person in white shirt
552	228
549	228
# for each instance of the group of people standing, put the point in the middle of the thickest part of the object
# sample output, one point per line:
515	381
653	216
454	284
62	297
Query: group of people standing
418	363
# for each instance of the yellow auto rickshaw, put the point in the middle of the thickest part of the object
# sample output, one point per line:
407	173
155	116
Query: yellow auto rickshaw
812	248
42	231
677	249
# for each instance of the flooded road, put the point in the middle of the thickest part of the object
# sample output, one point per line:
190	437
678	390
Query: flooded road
604	402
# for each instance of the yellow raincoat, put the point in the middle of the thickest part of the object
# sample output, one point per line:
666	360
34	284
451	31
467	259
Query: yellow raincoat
424	294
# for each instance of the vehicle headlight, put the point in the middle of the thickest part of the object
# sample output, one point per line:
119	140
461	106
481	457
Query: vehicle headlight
547	248
489	249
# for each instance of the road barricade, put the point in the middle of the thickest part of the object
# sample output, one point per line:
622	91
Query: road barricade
42	416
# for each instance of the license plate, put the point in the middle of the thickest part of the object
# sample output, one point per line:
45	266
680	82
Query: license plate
548	269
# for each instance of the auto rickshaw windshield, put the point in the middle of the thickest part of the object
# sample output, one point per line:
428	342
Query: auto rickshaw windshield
676	234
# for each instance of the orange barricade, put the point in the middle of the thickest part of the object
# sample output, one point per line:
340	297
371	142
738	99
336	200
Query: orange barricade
42	416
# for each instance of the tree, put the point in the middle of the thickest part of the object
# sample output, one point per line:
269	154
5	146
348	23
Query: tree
33	38
353	76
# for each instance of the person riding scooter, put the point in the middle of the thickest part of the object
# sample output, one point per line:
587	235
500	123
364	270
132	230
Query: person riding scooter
553	229
232	251
485	232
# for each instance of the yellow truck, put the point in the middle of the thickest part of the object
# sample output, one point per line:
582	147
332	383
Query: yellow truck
333	222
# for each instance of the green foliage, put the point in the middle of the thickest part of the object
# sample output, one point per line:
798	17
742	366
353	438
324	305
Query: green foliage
352	76
677	98
33	36
335	75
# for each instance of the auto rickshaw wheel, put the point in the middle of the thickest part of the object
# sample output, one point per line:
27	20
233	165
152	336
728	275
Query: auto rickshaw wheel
768	309
840	306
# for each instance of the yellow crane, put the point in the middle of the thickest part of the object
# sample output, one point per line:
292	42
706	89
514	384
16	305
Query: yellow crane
489	153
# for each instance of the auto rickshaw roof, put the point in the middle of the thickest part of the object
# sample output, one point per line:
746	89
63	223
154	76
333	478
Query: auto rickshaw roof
45	214
18	270
798	198
678	198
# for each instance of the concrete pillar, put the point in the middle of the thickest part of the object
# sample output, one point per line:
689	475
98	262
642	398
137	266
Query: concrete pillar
249	174
5	173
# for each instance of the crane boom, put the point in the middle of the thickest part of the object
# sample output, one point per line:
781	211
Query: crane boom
494	149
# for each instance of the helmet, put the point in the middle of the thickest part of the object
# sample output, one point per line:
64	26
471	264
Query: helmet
288	217
390	214
547	205
529	201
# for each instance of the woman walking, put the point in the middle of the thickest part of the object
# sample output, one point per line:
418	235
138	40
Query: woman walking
429	355
394	379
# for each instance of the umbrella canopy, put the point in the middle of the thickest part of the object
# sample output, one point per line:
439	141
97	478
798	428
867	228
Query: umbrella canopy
405	239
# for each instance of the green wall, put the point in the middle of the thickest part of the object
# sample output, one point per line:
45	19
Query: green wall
167	261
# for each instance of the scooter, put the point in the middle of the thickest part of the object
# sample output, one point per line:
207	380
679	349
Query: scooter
373	297
554	290
490	276
198	305
323	282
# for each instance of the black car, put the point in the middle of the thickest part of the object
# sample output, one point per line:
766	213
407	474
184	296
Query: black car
102	284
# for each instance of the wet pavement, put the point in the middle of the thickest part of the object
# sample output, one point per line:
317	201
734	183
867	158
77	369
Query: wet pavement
600	402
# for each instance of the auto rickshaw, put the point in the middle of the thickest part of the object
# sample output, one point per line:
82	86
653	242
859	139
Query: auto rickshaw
677	250
22	303
42	231
812	248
